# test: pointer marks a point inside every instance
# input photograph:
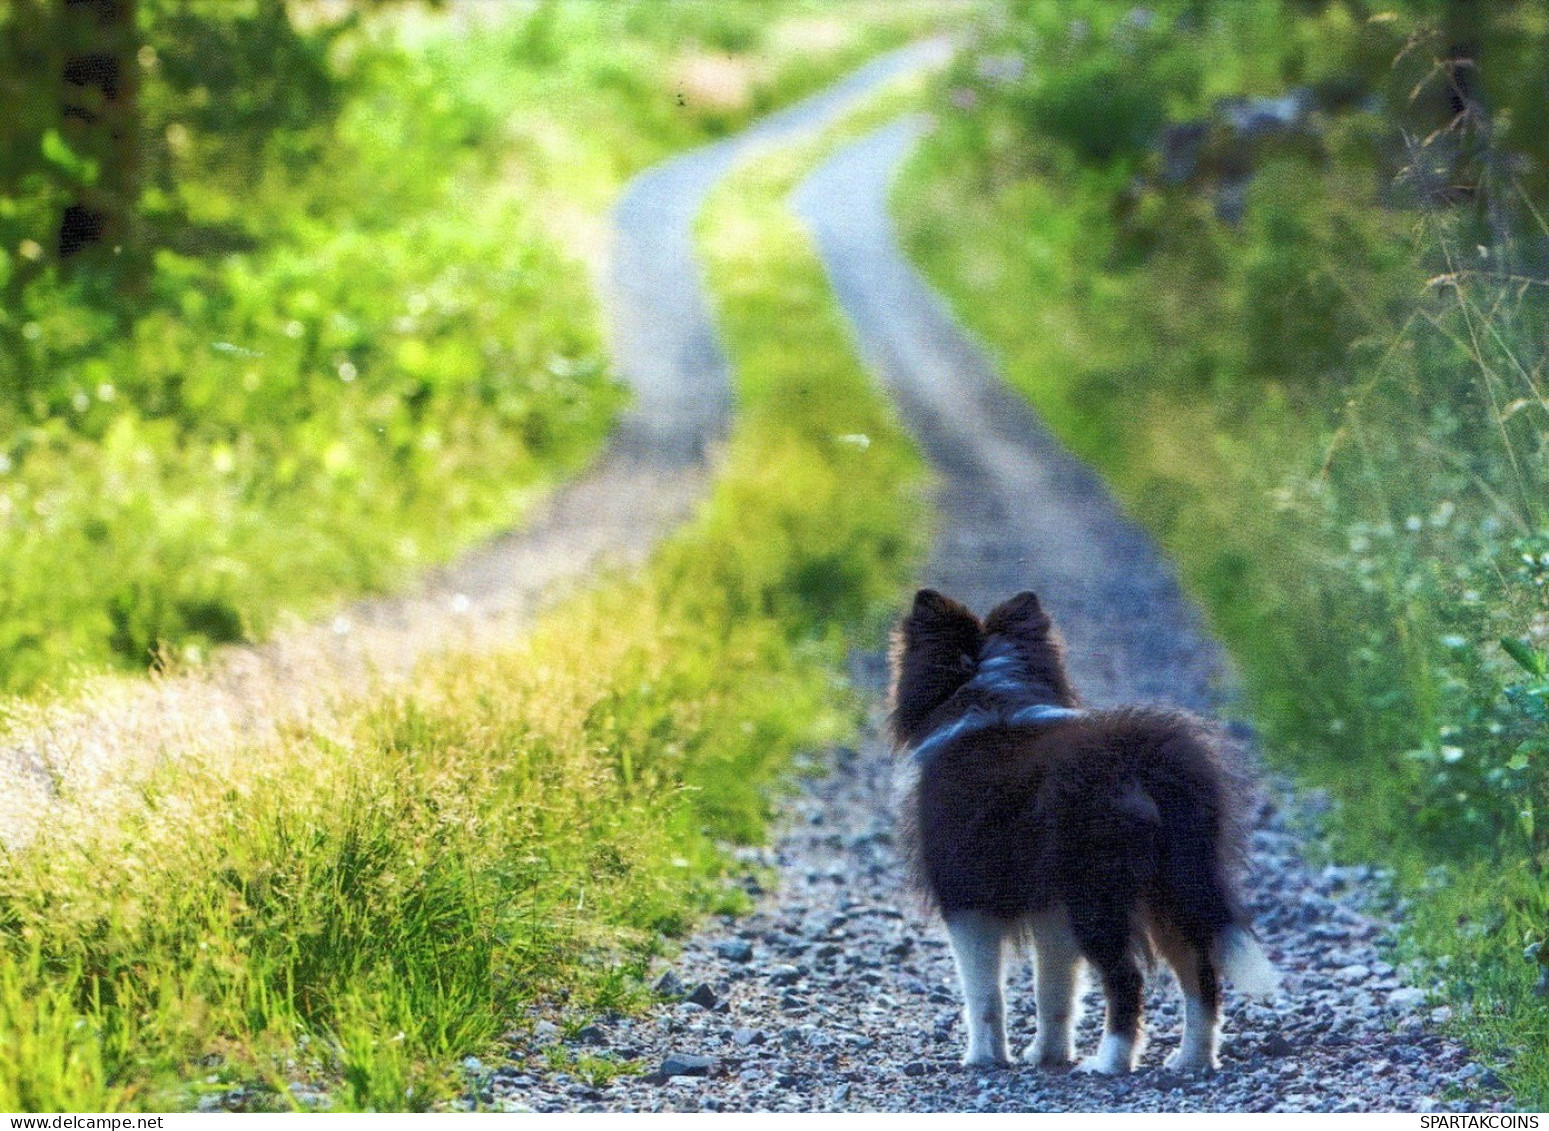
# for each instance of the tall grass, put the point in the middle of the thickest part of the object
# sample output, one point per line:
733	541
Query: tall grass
341	916
1334	416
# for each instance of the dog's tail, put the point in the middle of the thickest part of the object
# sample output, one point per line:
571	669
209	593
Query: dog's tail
1202	842
1243	961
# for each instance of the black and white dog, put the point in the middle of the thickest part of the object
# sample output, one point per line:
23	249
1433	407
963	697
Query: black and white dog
1098	836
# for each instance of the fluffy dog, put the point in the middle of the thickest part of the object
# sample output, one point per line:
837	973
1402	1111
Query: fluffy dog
1098	836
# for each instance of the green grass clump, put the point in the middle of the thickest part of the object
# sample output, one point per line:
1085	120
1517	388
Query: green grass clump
1333	414
356	912
362	335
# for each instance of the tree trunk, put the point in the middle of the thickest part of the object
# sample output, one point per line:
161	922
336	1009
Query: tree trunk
100	121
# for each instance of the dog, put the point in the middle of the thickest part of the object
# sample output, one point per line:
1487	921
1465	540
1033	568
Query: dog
1099	837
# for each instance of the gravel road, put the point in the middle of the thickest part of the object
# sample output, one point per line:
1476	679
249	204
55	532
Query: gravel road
837	994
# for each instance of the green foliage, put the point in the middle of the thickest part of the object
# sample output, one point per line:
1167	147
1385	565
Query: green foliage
365	338
1100	80
347	915
54	1061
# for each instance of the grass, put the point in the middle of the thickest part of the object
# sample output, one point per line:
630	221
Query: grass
366	337
1339	438
340	916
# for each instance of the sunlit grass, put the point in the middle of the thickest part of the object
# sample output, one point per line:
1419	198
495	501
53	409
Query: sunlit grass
339	914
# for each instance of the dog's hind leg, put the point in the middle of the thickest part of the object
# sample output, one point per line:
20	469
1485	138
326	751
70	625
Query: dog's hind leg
1201	985
1201	1021
1057	966
1103	930
978	945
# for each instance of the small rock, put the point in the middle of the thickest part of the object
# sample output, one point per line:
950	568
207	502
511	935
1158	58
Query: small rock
703	996
472	1064
735	950
1441	1014
1406	998
915	1068
669	985
785	975
545	1033
591	1035
685	1064
1276	1045
746	1037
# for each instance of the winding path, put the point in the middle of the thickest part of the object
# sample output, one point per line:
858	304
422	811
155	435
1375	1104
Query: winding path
836	994
88	753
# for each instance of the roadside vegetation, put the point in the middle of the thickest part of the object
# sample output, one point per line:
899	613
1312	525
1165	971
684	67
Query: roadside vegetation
1305	339
340	918
294	298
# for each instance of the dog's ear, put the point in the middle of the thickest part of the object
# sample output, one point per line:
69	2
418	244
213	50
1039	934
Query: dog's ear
934	653
933	612
1021	614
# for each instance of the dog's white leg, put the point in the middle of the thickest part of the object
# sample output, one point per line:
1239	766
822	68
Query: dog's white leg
1201	1029
978	944
1114	1057
1057	968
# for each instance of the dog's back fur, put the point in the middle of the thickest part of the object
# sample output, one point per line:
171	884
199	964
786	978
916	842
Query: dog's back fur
1126	819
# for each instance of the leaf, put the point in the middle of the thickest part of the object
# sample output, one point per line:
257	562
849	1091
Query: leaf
57	152
1534	662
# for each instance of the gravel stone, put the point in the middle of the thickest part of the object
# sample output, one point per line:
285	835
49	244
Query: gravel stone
735	950
1277	1045
678	1065
669	985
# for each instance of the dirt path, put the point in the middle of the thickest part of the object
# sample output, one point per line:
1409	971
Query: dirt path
836	994
86	754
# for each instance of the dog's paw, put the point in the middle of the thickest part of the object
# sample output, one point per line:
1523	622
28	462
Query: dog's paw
1101	1066
986	1058
1190	1060
1114	1057
1052	1056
